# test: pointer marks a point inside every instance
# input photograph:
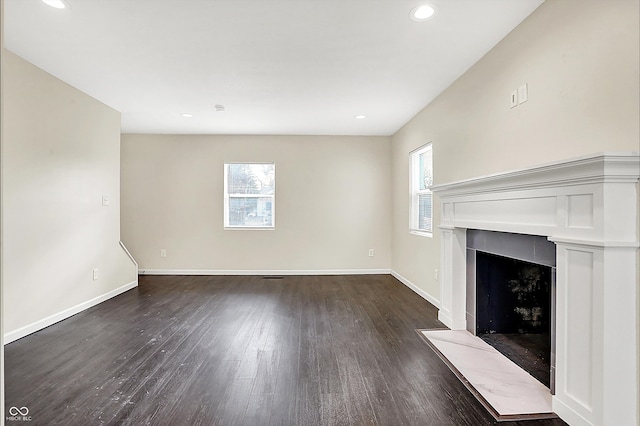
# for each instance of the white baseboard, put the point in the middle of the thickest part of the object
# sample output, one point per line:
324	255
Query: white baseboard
446	320
429	298
568	414
264	272
50	320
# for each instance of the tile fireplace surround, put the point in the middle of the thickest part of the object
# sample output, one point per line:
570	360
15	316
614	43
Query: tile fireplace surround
588	207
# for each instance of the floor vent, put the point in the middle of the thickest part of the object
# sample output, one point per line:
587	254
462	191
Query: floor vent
272	277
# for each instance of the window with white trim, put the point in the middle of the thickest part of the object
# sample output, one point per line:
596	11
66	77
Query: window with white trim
421	163
249	195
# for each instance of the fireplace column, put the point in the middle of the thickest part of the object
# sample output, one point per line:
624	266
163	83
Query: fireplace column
453	287
597	334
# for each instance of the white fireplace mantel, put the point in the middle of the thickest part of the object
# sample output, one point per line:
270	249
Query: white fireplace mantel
588	206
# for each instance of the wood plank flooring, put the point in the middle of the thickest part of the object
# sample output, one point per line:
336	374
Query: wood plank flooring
229	350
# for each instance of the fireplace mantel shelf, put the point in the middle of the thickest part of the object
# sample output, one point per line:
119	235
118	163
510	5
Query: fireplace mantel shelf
596	168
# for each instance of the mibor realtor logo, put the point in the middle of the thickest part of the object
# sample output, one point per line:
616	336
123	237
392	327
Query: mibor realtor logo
18	414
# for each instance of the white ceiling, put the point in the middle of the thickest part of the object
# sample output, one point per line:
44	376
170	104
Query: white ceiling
303	67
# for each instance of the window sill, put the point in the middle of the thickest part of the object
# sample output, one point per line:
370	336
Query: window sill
421	233
249	228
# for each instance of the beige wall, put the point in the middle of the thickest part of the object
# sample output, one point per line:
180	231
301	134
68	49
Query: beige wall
60	155
332	203
580	61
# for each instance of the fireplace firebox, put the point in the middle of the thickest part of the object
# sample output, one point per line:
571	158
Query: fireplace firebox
511	300
512	296
513	311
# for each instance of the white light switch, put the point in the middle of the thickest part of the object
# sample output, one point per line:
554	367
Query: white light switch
523	94
514	98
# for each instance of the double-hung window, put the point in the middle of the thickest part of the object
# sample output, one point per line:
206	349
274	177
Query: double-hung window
249	195
421	196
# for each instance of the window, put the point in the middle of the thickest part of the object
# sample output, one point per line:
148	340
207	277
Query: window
249	195
421	196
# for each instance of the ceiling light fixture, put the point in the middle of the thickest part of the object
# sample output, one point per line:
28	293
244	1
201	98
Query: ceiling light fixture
186	115
58	4
422	13
360	116
219	108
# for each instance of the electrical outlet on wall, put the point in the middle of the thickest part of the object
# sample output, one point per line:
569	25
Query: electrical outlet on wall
95	274
370	252
163	253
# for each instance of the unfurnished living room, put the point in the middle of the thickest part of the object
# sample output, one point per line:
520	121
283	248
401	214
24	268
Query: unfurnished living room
320	212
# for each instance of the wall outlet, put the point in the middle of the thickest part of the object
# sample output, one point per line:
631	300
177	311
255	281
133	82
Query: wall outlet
370	252
163	253
95	274
105	200
435	274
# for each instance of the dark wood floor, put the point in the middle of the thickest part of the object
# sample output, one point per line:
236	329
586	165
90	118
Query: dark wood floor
243	350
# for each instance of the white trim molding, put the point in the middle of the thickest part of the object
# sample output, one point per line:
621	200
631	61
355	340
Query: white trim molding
129	255
52	319
266	272
588	207
420	292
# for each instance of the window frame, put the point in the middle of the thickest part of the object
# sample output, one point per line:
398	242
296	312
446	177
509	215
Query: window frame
415	192
228	196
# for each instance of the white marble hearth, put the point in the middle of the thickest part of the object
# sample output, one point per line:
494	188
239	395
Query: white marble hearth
510	392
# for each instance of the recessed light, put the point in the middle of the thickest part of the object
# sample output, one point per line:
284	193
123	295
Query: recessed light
422	12
360	116
186	115
58	4
219	108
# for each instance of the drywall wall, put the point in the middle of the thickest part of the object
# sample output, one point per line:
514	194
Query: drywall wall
60	156
579	59
332	203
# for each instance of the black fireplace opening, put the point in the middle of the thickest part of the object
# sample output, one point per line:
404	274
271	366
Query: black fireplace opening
513	311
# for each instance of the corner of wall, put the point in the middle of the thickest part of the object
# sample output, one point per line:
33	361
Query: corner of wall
60	236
